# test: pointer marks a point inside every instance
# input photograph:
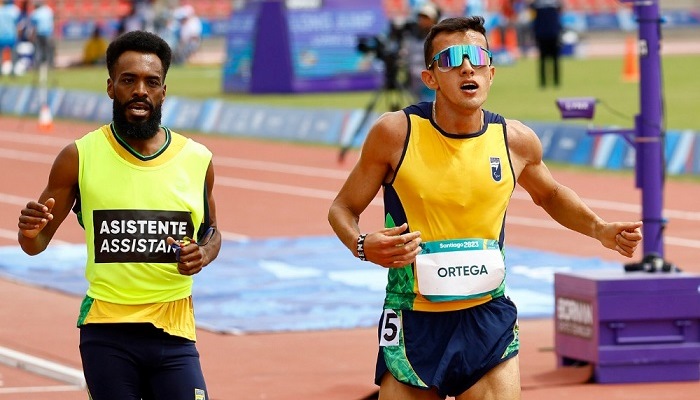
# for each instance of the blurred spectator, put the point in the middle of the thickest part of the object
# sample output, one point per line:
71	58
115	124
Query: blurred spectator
167	27
24	26
145	13
547	29
426	16
475	7
523	26
25	46
95	48
130	22
9	18
42	32
505	22
190	33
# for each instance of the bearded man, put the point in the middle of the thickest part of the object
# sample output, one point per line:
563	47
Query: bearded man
143	194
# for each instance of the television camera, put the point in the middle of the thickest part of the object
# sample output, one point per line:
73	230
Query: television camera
390	50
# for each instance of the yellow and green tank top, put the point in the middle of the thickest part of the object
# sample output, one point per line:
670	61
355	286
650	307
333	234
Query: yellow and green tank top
447	187
129	204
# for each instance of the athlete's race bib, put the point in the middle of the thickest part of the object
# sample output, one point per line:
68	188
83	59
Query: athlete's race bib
459	269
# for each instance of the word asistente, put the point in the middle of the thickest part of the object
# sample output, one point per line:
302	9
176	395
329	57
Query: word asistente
138	235
143	227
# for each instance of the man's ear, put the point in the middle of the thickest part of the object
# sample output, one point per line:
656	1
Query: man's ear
429	79
110	88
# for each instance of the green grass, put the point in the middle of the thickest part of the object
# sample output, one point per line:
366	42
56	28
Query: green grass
514	94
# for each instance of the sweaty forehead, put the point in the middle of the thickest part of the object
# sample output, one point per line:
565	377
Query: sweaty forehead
445	40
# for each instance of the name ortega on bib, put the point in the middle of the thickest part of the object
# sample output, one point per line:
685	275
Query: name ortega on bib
459	269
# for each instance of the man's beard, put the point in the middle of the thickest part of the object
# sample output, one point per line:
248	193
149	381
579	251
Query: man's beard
136	130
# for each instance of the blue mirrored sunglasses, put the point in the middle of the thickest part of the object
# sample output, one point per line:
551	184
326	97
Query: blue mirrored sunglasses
453	57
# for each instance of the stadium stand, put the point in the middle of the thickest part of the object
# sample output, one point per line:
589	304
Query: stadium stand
80	15
101	11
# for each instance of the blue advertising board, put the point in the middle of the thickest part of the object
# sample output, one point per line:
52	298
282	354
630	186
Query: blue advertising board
272	48
324	46
239	49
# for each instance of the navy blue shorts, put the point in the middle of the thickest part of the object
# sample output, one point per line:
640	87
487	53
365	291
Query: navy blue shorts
135	361
450	350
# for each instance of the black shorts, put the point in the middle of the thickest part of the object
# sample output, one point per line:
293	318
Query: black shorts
139	361
450	350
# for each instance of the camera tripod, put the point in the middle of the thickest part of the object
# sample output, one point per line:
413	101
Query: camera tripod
395	95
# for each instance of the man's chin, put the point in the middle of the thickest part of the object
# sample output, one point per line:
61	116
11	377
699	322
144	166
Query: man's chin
137	122
142	124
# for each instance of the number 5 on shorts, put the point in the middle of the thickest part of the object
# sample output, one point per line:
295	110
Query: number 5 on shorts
391	328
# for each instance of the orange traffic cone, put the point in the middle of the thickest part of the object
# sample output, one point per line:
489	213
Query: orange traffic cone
496	40
630	69
6	62
511	42
45	119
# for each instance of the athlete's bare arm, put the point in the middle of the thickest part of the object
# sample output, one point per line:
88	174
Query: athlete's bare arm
559	201
380	155
39	220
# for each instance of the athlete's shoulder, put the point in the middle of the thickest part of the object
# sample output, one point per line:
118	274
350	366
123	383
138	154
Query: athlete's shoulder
516	127
101	132
195	146
522	139
491	117
423	109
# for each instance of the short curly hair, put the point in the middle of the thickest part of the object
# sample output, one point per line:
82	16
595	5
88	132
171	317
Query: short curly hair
142	42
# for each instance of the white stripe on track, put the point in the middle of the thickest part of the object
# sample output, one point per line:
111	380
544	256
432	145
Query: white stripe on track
42	366
280	167
27	156
12	235
41	389
34	140
619	206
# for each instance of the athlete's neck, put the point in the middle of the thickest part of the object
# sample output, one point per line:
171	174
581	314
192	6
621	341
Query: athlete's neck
463	125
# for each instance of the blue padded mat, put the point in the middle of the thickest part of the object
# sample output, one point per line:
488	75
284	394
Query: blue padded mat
295	284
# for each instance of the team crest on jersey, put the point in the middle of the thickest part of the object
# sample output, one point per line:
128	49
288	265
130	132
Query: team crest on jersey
496	172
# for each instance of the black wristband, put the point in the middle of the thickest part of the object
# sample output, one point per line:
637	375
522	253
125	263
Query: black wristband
361	247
